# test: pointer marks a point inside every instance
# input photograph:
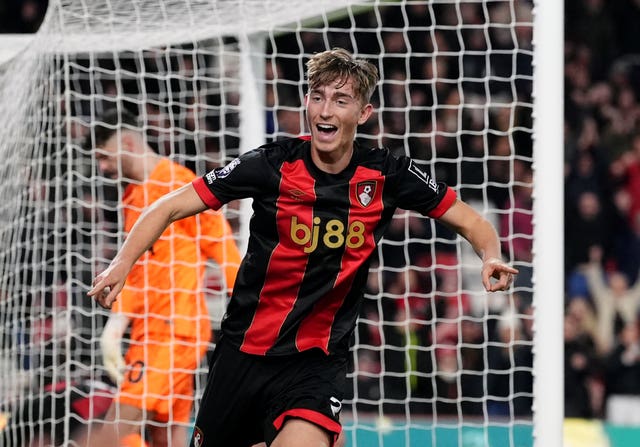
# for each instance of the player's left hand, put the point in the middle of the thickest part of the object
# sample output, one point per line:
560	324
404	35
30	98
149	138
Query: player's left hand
113	362
497	274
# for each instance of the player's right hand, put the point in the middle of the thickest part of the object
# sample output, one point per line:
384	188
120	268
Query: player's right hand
498	270
108	284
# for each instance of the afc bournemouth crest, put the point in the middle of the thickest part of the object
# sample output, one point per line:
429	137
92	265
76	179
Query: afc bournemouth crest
365	192
198	437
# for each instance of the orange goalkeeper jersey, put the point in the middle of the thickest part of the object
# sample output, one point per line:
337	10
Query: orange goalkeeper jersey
163	294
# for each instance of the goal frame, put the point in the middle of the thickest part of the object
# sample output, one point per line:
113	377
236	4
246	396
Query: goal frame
548	212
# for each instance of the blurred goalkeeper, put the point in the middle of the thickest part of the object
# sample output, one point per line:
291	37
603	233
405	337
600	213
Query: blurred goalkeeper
320	206
162	302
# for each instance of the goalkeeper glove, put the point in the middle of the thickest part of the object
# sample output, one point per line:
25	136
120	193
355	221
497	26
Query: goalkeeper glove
110	343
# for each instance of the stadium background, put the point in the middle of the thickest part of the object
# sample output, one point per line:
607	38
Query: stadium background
602	196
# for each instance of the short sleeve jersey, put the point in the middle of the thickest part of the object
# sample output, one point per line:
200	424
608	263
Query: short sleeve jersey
301	282
163	293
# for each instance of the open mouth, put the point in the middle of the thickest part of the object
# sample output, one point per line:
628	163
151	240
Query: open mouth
326	129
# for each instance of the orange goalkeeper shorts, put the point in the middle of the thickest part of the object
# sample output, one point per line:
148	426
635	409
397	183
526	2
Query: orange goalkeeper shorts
160	378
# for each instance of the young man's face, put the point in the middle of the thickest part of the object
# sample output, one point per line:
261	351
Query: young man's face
334	113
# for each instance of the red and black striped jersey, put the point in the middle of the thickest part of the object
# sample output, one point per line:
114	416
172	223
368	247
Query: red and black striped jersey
312	234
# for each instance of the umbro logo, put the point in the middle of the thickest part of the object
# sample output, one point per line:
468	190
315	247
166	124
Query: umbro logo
296	194
335	405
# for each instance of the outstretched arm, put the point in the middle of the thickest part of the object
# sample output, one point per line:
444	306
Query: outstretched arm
484	239
175	205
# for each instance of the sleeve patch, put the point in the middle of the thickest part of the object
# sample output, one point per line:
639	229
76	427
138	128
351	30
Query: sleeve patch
423	176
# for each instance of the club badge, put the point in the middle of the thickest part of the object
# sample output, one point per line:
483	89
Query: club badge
365	191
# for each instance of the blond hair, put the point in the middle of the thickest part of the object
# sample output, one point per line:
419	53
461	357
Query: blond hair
339	65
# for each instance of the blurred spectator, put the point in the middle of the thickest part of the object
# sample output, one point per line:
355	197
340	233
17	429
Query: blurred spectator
60	413
583	314
623	364
446	380
406	332
506	389
626	16
580	363
629	176
585	227
22	16
516	224
588	170
617	304
592	26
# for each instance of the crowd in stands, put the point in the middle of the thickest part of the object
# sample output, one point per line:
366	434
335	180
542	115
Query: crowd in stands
602	206
425	345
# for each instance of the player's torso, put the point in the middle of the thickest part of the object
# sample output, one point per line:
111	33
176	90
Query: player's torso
316	212
312	234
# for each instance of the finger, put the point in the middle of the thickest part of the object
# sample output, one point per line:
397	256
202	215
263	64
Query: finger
107	300
486	282
105	295
98	286
506	269
504	282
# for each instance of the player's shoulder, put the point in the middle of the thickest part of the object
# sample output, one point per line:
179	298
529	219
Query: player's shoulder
278	151
287	146
381	158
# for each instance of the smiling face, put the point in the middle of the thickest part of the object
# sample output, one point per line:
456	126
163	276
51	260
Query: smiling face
334	112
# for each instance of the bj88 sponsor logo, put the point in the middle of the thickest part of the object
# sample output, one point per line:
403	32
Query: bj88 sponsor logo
333	234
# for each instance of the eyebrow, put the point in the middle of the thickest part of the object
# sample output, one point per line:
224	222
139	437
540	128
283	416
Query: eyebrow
336	94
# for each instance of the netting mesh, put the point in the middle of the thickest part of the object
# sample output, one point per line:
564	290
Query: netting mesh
432	351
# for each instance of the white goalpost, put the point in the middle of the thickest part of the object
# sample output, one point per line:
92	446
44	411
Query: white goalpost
471	89
548	209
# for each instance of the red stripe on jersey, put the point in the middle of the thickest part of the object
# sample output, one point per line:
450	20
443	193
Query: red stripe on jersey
288	261
315	329
312	416
446	202
205	194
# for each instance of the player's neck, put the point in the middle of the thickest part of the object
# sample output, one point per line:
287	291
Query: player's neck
148	163
332	162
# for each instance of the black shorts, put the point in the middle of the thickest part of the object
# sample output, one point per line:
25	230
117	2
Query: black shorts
248	397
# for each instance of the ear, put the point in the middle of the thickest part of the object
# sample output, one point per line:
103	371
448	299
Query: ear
127	141
365	113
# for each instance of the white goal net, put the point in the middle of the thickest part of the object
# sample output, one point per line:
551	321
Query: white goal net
435	360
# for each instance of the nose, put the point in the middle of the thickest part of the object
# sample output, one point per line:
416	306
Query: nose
326	110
